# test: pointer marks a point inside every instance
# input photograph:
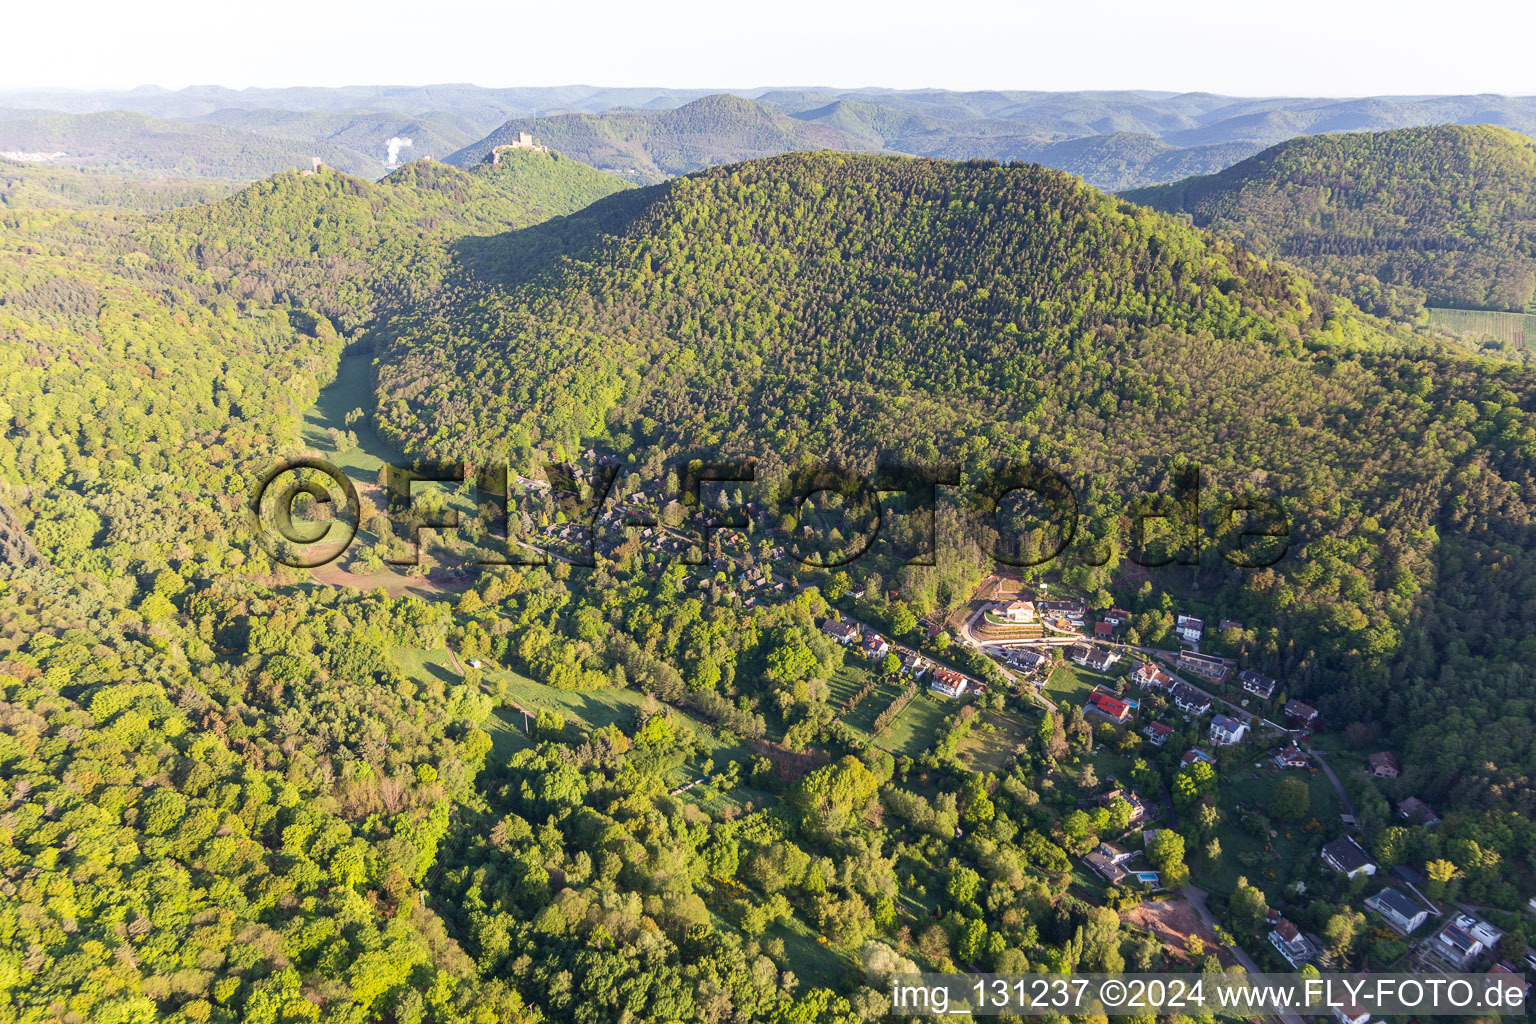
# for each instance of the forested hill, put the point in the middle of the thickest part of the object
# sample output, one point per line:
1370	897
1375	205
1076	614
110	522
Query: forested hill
331	242
1443	215
650	145
828	306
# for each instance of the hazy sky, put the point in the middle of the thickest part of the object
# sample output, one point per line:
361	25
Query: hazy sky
1300	47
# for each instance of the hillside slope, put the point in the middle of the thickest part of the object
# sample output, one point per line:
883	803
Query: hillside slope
649	145
839	307
1447	214
334	242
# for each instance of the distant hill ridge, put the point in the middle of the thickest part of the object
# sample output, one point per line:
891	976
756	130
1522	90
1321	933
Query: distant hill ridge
1443	215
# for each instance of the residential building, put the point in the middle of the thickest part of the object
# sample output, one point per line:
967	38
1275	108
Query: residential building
1346	857
1157	733
1207	665
948	683
1227	624
876	646
1103	629
1227	731
1078	654
1100	659
1465	939
1028	660
1291	757
914	664
1384	765
1190	700
1118	617
842	632
1402	912
1109	860
1455	945
1261	686
1288	941
1417	811
1299	715
1189	628
1194	754
1149	677
1138	809
1019	611
1110	707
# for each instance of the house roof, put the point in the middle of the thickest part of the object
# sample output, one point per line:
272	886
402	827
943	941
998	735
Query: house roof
1109	705
1220	721
1103	629
1300	710
1385	759
1346	853
1399	904
1458	939
1412	807
1160	729
1288	931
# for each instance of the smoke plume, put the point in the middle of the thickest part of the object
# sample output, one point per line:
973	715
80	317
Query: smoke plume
395	146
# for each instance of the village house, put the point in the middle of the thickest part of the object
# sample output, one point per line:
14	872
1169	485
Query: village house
1157	733
876	646
1099	659
948	683
1108	860
1111	708
1345	856
1418	812
914	664
1291	944
1465	939
1291	757
1118	618
1402	912
1149	677
1194	754
1299	715
1190	700
1071	610
1227	624
1189	628
1019	611
1103	629
1026	659
1260	686
842	632
1226	731
1384	765
1209	666
1138	809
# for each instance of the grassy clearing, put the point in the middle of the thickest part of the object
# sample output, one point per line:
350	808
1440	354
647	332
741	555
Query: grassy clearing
1070	684
991	742
1267	863
914	729
352	389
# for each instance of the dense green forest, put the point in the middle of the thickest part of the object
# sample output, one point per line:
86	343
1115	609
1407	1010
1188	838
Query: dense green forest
1444	216
655	791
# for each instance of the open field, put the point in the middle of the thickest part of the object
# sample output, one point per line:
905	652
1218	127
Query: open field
913	731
